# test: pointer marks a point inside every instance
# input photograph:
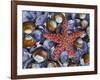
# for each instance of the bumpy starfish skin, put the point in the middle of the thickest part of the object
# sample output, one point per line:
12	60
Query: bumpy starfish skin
65	41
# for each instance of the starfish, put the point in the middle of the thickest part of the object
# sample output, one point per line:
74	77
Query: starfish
64	40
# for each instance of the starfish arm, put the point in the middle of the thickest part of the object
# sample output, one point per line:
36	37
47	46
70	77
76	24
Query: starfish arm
57	52
53	37
75	35
64	27
70	51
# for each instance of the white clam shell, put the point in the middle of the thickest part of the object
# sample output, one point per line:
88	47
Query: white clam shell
59	19
82	16
80	41
28	38
28	31
84	23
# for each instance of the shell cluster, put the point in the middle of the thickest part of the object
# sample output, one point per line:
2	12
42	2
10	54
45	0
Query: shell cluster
38	51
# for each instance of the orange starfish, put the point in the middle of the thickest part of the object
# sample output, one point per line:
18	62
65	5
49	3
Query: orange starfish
64	40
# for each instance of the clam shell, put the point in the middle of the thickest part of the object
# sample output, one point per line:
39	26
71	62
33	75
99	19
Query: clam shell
86	58
29	42
73	15
41	19
79	43
52	64
82	16
84	24
37	34
49	44
40	48
41	53
64	57
59	18
52	25
28	27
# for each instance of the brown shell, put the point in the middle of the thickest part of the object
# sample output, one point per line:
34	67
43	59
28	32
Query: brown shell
78	45
50	25
86	58
41	52
84	24
60	14
52	64
28	26
29	43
